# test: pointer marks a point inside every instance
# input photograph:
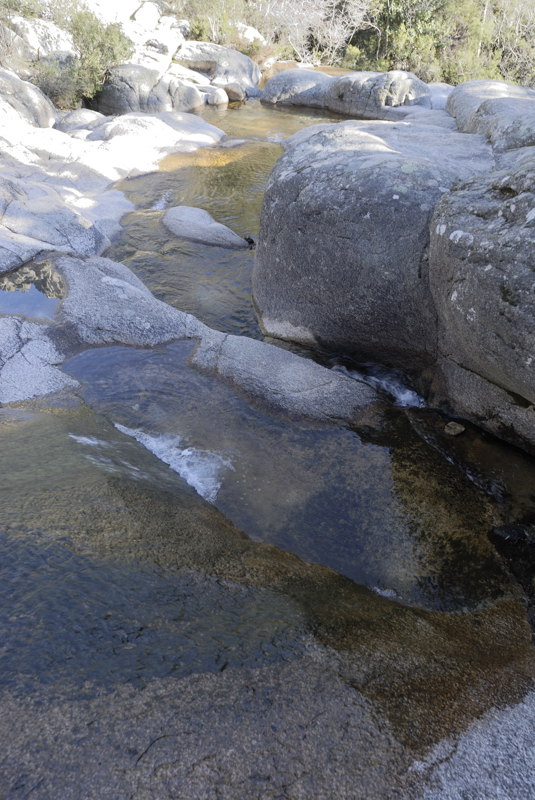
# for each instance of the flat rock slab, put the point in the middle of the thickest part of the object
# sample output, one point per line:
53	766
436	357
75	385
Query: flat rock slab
198	225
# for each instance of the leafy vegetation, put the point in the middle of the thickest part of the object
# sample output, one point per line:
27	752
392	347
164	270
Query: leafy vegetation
98	47
448	40
441	40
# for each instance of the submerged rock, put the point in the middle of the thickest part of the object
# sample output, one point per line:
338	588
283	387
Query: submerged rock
107	304
198	225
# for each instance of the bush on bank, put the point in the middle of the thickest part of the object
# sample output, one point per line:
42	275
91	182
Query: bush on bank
98	47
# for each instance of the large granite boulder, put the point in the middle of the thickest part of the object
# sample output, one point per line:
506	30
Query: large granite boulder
133	87
297	87
368	95
42	38
21	101
221	64
377	95
502	112
483	285
33	217
343	245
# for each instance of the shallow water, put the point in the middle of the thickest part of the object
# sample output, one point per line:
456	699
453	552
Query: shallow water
157	524
212	283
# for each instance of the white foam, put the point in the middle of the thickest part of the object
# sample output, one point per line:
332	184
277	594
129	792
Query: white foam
89	441
389	593
201	469
162	202
380	378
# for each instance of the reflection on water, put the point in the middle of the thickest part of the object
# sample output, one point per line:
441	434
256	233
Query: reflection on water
33	290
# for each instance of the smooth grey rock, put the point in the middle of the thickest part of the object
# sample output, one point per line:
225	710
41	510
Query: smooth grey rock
214	96
42	38
283	379
136	88
222	64
28	360
162	133
107	304
508	123
502	112
439	94
253	92
22	101
33	217
482	281
342	252
369	95
377	95
79	119
298	87
235	93
197	225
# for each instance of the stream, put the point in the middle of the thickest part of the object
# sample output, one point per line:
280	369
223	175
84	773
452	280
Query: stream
158	525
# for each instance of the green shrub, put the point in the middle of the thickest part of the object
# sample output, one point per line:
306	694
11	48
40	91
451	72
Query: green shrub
26	8
351	57
58	83
99	47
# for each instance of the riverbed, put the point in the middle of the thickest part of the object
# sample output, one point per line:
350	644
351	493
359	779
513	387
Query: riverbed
205	598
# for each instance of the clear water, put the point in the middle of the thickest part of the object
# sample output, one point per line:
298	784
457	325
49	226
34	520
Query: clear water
210	282
159	525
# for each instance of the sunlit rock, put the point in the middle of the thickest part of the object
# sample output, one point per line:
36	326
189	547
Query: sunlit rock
199	226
